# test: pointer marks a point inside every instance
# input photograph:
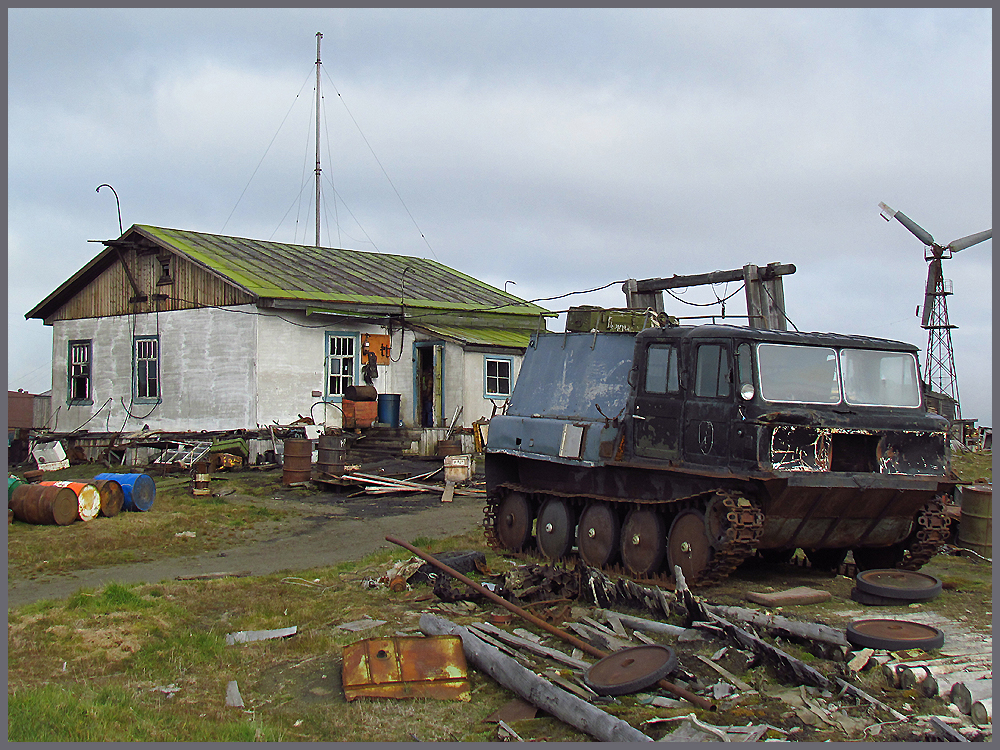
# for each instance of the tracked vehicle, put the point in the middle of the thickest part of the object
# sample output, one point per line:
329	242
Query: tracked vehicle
701	446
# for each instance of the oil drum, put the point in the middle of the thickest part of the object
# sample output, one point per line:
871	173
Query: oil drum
44	504
297	465
112	497
975	528
331	455
202	479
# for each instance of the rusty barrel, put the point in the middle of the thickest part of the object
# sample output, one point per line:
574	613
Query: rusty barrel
331	455
88	498
975	528
139	490
202	479
44	504
297	466
112	497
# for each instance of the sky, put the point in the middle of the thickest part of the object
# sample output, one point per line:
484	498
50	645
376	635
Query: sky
562	150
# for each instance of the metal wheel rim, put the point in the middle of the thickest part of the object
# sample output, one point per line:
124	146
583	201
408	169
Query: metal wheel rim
688	545
598	535
513	523
894	635
554	530
895	583
630	670
643	543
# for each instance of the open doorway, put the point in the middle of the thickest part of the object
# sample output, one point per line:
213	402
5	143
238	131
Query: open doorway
429	383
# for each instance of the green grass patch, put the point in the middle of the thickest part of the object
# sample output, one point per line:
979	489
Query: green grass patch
973	465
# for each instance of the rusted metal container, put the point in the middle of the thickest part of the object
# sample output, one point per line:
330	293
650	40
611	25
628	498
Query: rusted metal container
202	479
406	667
44	504
359	413
87	496
449	447
360	393
458	468
139	489
297	466
112	497
331	455
975	529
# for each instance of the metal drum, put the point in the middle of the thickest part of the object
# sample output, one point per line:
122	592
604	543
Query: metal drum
139	489
297	466
87	496
202	479
975	529
44	504
331	455
112	497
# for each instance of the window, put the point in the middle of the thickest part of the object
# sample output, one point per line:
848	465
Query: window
661	369
800	374
340	363
497	371
78	390
147	369
162	263
873	378
712	378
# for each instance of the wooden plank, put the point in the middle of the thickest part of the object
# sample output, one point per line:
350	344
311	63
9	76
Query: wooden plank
534	648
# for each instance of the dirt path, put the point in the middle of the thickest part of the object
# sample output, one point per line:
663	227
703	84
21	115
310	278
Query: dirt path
313	540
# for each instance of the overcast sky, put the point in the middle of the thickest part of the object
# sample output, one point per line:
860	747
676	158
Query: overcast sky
559	149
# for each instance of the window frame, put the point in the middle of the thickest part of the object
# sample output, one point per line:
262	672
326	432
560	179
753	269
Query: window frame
497	395
355	339
89	399
671	375
723	370
136	375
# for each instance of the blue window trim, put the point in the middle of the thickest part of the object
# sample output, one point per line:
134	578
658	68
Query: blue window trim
135	372
486	390
337	397
90	372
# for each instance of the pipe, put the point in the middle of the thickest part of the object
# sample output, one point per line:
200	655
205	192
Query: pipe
680	692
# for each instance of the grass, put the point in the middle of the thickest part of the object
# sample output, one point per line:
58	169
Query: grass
973	465
137	537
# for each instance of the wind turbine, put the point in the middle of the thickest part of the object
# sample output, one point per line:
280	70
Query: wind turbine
939	363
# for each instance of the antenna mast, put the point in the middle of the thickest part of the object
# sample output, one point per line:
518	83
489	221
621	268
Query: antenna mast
319	36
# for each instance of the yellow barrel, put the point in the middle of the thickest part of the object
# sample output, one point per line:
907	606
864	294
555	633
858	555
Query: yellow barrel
975	529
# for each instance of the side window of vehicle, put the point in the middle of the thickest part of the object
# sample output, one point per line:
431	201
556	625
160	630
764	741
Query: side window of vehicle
743	367
712	378
661	369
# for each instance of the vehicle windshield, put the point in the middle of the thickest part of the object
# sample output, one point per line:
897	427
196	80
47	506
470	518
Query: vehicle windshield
874	378
805	374
817	375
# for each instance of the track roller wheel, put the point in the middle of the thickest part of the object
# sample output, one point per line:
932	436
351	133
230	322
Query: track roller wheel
598	535
554	530
513	523
644	541
688	545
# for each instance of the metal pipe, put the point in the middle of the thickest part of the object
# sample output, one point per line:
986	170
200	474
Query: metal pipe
680	692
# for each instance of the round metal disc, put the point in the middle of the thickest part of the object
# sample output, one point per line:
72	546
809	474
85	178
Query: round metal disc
554	530
644	541
688	545
873	600
894	583
894	635
717	522
598	535
513	522
630	670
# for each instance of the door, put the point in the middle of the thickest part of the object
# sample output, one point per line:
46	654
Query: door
656	418
429	384
708	410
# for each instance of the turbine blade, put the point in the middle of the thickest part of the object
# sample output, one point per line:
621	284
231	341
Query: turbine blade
919	232
972	239
930	298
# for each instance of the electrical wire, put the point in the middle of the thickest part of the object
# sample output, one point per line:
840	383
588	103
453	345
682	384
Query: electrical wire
705	304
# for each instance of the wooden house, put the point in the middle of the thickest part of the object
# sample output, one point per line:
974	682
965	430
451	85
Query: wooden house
187	331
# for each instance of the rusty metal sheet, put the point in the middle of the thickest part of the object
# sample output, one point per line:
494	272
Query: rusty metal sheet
406	667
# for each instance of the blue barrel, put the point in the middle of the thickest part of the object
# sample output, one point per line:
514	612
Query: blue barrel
388	409
139	489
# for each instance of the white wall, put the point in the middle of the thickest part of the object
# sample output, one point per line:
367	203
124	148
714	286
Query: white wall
476	403
207	371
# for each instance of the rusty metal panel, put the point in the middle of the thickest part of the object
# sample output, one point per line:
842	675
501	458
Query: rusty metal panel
406	667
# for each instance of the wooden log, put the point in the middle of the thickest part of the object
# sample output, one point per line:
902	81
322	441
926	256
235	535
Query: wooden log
982	711
965	693
809	630
639	623
566	707
947	683
597	638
